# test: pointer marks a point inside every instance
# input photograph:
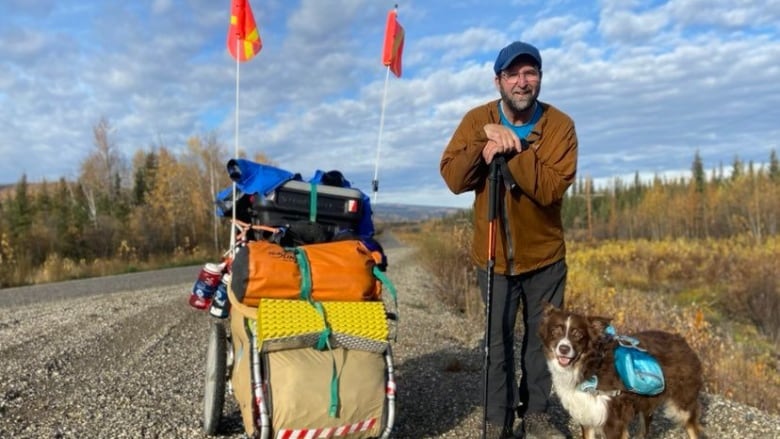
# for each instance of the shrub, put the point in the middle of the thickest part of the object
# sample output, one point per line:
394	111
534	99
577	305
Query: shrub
452	272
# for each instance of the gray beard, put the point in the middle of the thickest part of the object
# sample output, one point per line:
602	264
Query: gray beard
518	105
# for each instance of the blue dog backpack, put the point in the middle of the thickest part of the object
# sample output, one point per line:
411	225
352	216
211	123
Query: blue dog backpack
639	371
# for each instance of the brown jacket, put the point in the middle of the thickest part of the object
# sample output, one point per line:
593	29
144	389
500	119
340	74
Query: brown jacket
529	226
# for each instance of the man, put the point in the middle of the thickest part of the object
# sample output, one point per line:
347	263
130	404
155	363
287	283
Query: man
539	145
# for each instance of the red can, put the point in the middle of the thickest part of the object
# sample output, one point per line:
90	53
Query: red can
206	285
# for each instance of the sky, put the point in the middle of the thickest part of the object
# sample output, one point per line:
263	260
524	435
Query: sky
647	83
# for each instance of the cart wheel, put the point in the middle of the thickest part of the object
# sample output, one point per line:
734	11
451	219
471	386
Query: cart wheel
216	359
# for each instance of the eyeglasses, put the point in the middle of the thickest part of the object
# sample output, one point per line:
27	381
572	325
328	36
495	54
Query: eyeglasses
530	75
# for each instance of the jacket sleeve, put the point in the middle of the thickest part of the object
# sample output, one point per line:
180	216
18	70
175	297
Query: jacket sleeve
548	167
462	166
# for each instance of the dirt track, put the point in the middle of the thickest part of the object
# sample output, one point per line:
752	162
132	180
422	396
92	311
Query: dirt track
122	362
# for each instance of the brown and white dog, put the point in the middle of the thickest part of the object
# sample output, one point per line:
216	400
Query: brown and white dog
577	349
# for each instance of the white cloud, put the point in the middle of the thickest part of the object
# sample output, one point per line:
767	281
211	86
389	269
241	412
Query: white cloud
623	26
162	6
21	42
567	28
726	13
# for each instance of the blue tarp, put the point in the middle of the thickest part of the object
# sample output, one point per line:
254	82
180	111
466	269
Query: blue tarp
257	178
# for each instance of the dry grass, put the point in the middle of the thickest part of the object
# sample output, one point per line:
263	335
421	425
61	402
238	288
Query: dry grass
721	295
453	281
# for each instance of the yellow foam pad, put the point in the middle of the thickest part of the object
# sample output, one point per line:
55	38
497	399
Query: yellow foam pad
279	319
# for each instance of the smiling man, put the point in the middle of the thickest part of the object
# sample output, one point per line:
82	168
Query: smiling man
539	145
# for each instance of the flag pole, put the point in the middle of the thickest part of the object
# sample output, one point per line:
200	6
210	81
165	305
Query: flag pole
233	224
375	182
243	31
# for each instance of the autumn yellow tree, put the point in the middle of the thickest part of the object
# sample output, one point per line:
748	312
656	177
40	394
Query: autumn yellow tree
165	214
206	159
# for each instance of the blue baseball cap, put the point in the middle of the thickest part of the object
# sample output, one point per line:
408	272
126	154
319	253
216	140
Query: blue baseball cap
509	53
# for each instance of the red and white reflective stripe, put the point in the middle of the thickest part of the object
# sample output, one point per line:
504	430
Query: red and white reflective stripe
322	433
390	389
259	404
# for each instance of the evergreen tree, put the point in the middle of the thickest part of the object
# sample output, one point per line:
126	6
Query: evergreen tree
42	203
697	171
20	212
62	216
737	168
145	165
698	181
774	167
636	190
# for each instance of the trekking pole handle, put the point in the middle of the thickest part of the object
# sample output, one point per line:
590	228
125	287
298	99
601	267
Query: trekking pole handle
493	177
494	183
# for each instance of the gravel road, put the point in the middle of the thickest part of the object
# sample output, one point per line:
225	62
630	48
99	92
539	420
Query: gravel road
123	357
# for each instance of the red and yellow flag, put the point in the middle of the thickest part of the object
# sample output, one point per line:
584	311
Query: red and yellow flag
243	39
394	43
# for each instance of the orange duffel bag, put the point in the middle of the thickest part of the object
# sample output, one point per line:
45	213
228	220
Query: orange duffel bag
338	270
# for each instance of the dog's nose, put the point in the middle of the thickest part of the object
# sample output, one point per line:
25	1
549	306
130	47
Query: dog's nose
564	349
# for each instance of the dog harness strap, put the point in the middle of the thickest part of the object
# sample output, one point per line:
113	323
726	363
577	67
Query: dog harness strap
624	340
591	386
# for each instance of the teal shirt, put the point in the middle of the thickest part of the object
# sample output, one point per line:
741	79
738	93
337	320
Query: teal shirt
522	131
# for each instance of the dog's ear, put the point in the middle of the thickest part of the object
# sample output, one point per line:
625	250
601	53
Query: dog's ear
548	308
599	324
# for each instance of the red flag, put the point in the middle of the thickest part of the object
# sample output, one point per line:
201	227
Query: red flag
243	29
394	43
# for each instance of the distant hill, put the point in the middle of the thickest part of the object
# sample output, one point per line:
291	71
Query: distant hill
391	212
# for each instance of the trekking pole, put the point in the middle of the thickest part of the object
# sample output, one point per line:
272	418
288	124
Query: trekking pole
492	218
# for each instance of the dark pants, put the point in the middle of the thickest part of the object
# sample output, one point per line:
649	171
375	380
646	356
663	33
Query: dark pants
534	289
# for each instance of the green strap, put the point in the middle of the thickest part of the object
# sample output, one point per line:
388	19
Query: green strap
379	274
313	203
305	269
323	342
333	409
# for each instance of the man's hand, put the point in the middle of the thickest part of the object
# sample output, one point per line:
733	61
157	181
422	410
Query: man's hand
501	140
490	151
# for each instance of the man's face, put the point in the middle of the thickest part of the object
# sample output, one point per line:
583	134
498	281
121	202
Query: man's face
519	85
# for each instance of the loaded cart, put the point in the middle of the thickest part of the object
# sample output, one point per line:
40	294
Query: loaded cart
305	348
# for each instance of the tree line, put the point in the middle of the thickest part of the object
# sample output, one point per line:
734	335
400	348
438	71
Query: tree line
719	204
161	205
